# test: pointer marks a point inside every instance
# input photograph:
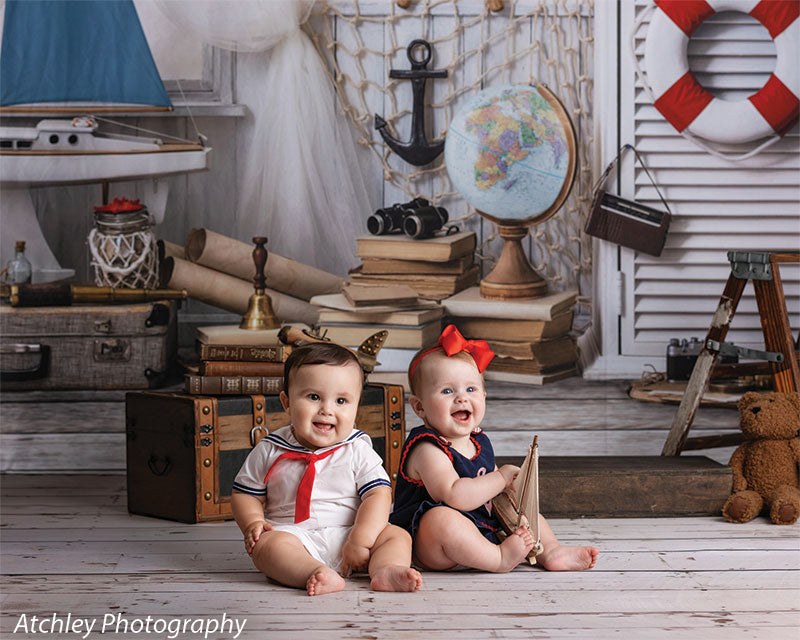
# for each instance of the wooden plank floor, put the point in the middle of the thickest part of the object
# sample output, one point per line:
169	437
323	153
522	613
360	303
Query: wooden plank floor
69	546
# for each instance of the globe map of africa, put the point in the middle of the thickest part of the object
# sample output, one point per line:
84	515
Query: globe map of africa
507	152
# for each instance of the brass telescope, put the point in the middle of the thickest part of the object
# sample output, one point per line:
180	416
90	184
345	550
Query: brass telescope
63	294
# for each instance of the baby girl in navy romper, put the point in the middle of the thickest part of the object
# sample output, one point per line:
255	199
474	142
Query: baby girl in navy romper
448	476
412	500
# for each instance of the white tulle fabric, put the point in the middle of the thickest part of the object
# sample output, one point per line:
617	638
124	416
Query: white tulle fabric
299	181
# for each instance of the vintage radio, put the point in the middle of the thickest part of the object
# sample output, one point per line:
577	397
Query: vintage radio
627	222
183	451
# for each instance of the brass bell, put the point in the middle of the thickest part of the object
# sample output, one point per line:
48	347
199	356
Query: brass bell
259	314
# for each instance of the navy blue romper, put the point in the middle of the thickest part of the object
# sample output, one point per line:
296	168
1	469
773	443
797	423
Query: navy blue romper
411	498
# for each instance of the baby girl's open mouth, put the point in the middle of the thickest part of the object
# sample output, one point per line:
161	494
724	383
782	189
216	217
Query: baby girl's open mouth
461	416
323	426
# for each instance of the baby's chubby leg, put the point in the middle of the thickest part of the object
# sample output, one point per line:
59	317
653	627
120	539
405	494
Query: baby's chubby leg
281	556
559	557
390	562
446	538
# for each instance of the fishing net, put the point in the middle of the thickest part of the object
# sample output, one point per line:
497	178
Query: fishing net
546	41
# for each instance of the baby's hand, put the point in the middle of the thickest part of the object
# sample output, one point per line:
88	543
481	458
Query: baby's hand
354	558
509	473
253	533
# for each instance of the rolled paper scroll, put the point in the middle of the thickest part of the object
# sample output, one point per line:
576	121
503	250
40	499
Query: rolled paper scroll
219	252
230	293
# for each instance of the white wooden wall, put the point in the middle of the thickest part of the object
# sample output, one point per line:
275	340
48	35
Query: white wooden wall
717	205
757	203
49	432
483	55
210	199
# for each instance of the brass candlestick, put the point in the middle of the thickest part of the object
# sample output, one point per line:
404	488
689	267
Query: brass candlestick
259	314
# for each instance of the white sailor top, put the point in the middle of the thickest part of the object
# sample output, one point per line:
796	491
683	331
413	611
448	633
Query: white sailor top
342	478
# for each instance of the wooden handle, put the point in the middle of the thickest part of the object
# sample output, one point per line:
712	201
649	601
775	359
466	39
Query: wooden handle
260	259
55	294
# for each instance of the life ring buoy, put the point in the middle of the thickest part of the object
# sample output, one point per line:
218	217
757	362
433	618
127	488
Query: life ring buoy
678	96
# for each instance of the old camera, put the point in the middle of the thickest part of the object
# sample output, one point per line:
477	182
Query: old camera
390	219
682	356
424	222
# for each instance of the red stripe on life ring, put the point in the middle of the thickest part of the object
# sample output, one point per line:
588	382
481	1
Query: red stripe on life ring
683	101
777	104
686	14
776	15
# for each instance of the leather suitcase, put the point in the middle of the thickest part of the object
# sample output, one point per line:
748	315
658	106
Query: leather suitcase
119	346
183	451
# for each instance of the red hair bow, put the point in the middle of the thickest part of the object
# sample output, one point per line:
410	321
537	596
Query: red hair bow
452	342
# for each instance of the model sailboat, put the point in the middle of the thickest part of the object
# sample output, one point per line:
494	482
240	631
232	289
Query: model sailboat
76	57
510	507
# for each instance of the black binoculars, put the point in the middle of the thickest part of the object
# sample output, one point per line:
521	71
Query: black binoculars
416	218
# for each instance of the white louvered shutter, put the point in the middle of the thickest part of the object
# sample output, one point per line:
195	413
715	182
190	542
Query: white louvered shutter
717	206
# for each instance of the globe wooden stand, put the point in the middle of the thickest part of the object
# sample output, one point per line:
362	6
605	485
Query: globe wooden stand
513	276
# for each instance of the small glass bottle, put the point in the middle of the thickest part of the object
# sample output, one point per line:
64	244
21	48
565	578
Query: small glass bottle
19	269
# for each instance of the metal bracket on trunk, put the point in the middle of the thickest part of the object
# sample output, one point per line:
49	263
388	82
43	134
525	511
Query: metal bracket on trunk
112	350
159	316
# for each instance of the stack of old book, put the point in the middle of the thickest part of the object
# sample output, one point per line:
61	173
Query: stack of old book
351	317
235	361
434	267
530	338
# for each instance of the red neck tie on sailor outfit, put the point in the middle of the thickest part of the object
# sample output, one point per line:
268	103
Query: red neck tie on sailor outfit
302	505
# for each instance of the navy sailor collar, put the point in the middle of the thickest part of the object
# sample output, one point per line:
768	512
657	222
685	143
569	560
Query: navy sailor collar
284	439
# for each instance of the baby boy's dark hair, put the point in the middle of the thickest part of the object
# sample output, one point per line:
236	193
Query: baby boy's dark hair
318	353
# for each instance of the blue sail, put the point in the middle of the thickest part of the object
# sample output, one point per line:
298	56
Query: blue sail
77	51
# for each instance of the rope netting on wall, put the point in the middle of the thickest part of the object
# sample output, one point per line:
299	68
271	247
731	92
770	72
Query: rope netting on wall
540	41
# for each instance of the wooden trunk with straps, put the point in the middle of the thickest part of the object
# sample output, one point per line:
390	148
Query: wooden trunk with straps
183	451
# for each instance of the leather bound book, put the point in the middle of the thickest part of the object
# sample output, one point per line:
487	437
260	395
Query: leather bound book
234	385
244	353
240	368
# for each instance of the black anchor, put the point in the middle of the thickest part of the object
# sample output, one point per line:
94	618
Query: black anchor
417	151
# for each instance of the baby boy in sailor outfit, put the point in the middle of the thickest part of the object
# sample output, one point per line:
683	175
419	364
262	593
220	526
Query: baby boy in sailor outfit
312	499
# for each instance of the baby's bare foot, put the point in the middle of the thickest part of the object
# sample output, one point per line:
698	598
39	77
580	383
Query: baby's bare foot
324	580
396	578
563	558
514	549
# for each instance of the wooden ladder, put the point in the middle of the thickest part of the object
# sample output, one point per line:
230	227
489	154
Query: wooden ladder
762	268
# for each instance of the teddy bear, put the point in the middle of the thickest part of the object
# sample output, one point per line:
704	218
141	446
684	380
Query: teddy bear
765	465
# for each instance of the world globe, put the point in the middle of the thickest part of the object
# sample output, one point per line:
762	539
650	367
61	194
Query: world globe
510	152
